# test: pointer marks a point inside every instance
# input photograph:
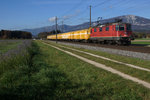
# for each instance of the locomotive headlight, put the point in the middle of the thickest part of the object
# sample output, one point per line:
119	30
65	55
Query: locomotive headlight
125	33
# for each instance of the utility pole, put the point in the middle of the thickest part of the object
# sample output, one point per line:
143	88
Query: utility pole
90	15
62	26
56	28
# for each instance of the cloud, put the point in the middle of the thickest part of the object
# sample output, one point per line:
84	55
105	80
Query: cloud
52	19
67	17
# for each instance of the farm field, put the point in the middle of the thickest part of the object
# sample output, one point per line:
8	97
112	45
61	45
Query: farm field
42	73
143	39
6	45
142	42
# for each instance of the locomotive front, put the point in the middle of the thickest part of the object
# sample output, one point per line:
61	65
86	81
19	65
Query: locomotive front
124	33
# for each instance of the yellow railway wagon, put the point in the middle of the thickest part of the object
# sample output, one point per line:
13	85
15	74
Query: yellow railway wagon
51	37
65	36
74	35
58	36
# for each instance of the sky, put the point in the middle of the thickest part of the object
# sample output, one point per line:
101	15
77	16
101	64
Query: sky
28	14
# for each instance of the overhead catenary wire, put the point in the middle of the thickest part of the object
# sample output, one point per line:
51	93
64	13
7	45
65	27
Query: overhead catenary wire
83	12
128	8
115	5
74	7
109	5
101	3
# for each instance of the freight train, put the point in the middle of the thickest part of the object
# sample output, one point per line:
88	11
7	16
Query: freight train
110	33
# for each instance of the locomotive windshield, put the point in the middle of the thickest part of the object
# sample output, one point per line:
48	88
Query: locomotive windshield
119	27
128	27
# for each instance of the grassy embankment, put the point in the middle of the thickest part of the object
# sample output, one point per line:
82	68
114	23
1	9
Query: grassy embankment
143	41
87	81
44	73
125	59
6	45
123	68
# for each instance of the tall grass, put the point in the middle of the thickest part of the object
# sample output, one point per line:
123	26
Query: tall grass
89	83
6	45
29	77
44	73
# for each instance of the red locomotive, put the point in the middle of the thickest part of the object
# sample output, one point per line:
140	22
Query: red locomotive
112	33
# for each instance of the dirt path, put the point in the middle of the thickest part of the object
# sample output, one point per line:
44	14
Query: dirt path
125	76
129	65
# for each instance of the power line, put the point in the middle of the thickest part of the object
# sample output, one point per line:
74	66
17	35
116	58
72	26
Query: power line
75	7
79	14
101	3
129	8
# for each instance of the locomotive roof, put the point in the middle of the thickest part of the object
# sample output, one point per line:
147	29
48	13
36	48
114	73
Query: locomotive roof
107	24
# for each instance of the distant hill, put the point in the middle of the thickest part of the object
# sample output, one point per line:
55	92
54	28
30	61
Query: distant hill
138	24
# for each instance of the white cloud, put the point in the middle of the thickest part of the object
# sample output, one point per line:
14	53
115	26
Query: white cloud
52	19
67	17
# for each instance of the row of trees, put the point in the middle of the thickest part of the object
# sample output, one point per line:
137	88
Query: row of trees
6	34
44	35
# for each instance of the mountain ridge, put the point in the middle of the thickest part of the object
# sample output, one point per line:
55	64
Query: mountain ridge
138	24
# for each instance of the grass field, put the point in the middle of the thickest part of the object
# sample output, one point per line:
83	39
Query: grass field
143	39
141	42
83	73
123	68
125	59
44	73
6	45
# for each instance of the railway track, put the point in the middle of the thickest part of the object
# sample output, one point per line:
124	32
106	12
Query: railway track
134	48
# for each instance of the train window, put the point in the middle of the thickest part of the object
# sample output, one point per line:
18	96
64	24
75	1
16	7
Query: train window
95	30
128	27
121	27
100	29
107	28
117	28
